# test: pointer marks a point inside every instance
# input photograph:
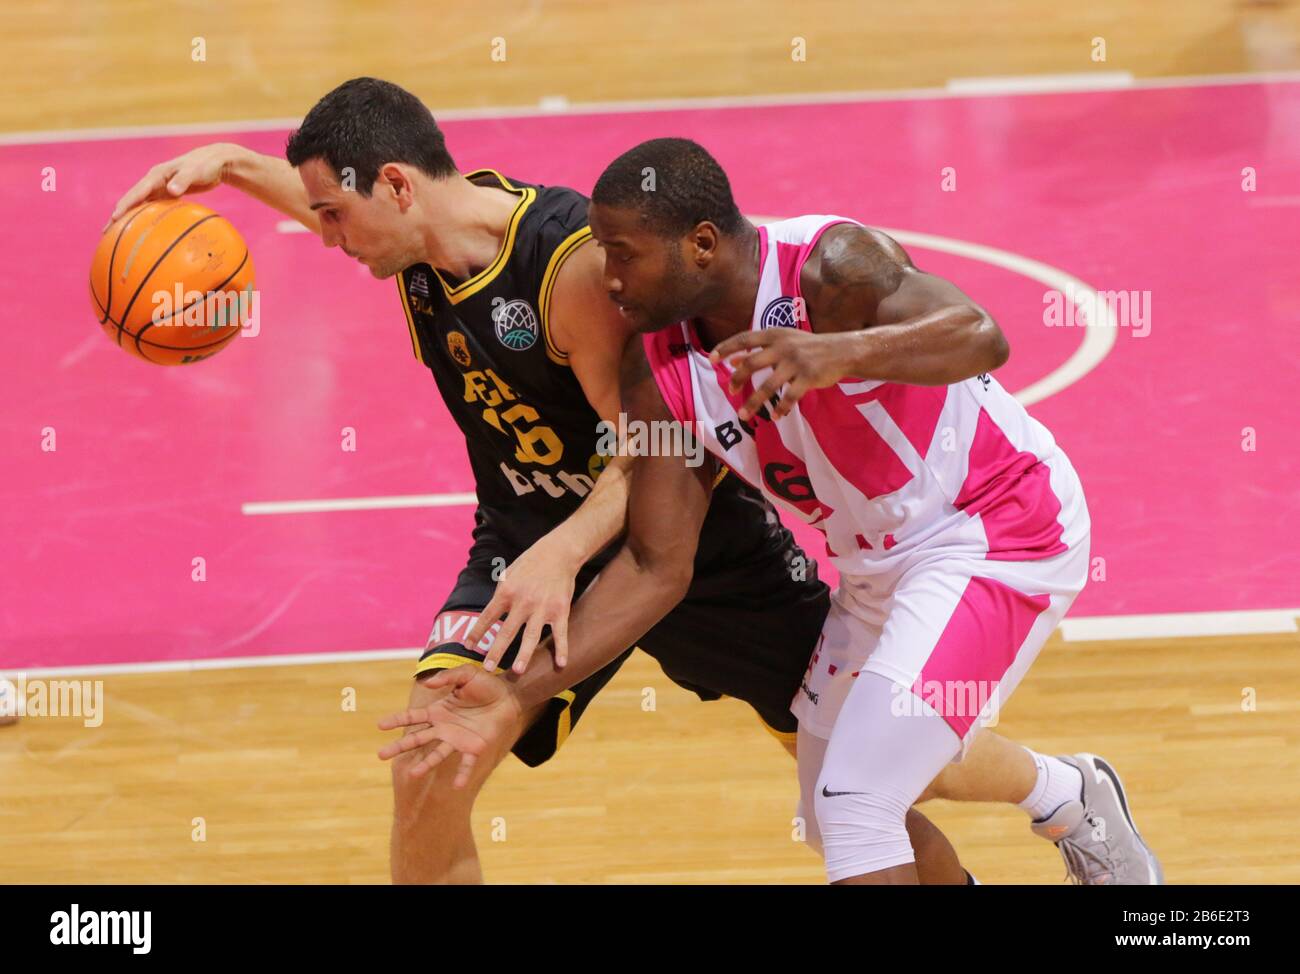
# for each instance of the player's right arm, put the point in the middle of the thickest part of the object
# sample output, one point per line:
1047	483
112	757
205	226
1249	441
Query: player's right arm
266	178
646	579
653	569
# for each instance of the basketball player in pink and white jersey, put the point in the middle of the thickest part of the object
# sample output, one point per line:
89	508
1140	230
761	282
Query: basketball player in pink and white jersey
959	528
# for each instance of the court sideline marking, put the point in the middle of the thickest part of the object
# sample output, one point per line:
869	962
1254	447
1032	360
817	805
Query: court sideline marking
1081	630
558	105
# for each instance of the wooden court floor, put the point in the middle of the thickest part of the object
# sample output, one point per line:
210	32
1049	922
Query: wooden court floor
261	775
79	63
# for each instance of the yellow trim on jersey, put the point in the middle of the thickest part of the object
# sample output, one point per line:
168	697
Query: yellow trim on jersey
485	277
562	253
721	473
785	737
564	724
445	661
410	319
448	661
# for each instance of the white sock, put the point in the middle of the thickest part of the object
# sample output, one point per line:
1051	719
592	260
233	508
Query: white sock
1057	784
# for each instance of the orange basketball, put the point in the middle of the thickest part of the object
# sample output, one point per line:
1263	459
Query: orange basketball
172	282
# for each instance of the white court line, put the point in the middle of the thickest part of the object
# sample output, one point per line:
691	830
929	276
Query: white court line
1098	337
1172	624
358	503
1080	630
1033	84
557	105
221	663
1274	201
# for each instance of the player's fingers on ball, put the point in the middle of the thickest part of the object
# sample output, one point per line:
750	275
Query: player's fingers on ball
181	178
137	194
122	205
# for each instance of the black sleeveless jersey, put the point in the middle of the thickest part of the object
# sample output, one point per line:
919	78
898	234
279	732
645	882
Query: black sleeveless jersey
531	434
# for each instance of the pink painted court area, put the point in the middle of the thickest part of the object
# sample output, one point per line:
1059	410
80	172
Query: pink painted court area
1184	436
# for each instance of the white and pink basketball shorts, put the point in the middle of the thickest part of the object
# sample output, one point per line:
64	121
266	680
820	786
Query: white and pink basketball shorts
953	628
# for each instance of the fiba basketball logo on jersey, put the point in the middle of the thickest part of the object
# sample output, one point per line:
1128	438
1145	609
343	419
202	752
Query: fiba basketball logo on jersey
516	324
780	313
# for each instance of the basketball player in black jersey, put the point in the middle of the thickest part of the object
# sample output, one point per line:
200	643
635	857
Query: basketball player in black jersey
505	304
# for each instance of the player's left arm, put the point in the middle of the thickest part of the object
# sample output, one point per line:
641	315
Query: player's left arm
874	316
536	589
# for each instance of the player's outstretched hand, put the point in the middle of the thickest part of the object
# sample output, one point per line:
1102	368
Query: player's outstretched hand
799	361
480	715
536	590
198	170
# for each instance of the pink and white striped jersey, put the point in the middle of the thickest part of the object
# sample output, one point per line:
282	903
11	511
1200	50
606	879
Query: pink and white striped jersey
886	471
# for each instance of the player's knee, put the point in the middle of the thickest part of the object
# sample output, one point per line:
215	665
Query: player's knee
415	796
407	784
927	842
863	828
428	808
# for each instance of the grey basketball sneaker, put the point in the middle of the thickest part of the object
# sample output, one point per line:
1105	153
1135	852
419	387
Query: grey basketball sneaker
1096	835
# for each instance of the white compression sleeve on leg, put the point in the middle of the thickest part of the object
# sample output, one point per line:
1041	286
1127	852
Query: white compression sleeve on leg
877	764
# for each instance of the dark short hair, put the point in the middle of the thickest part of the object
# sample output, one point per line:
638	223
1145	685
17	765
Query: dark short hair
367	123
689	187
